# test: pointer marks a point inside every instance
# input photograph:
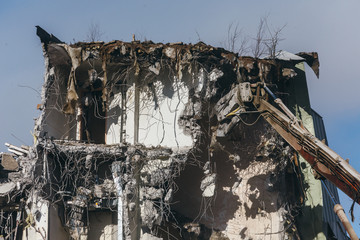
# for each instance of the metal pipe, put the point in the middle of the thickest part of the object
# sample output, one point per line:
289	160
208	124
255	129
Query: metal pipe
17	149
339	210
270	92
280	103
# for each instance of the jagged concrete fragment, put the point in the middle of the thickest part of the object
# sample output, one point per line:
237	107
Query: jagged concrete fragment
147	236
208	185
151	193
6	188
149	214
9	163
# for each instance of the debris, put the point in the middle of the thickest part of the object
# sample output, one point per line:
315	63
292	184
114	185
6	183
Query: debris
9	163
312	59
6	188
288	72
149	214
208	185
17	150
193	227
147	236
169	195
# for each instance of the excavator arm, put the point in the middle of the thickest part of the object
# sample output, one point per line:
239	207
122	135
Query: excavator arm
322	159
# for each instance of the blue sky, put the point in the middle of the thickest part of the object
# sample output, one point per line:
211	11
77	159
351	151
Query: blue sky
328	27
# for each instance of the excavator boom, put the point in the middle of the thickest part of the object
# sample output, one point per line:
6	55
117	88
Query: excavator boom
322	159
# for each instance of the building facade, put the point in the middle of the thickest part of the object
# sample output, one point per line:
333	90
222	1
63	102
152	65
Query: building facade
133	142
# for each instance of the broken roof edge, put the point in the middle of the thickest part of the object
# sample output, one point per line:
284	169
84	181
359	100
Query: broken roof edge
45	37
311	58
286	56
118	148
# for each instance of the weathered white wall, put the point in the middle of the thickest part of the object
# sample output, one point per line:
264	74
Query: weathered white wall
158	118
56	229
39	230
267	224
113	121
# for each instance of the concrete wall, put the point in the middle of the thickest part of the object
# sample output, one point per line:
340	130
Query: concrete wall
56	229
113	121
39	216
55	123
249	195
101	226
158	116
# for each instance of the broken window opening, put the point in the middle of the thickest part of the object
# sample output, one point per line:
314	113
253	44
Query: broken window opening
93	119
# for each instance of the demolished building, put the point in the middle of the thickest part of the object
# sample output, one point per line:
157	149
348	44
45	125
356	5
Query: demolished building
133	142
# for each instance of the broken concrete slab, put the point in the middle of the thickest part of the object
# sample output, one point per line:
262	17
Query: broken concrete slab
207	185
148	236
9	163
6	188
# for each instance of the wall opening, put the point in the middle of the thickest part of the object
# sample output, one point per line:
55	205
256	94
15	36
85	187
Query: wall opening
93	118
